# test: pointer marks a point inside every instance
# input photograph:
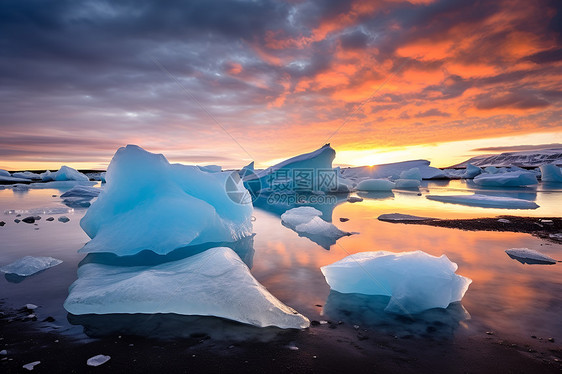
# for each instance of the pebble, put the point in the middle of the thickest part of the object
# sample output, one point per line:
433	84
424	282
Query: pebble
51	219
17	220
2	223
29	219
314	323
64	219
343	219
551	340
354	199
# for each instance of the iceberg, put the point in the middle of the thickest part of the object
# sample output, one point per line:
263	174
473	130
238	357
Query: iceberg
150	204
375	185
407	183
509	179
529	256
65	173
471	171
26	175
29	265
212	283
5	173
415	281
81	191
289	175
306	222
413	173
394	170
10	179
485	201
551	173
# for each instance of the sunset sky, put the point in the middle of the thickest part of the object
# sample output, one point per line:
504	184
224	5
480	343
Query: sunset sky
227	82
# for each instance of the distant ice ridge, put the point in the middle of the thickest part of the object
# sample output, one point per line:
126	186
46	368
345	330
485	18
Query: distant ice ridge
212	283
394	171
415	281
534	158
551	173
150	204
511	179
29	265
485	201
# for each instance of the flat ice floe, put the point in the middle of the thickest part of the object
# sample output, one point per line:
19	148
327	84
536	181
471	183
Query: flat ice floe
150	204
306	222
529	256
212	283
415	281
375	185
29	265
509	179
485	201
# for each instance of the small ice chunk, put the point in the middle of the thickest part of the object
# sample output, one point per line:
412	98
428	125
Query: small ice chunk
30	306
510	179
3	352
503	220
485	201
551	173
81	191
213	283
29	265
31	365
415	281
64	219
407	183
98	360
4	173
354	199
375	185
413	173
529	256
306	222
557	236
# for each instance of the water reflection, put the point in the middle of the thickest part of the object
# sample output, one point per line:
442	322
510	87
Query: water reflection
367	311
280	203
382	195
167	326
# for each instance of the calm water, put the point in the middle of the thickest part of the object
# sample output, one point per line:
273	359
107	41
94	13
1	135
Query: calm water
505	296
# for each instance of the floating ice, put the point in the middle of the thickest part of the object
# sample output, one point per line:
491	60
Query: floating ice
31	365
529	256
394	170
415	281
413	173
98	360
306	222
148	203
212	283
471	171
5	173
485	201
81	191
29	265
65	173
510	179
316	162
407	183
492	170
551	173
26	175
375	185
8	178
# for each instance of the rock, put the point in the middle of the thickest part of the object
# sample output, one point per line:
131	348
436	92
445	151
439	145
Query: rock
354	199
314	323
51	219
551	340
344	219
29	219
17	220
49	319
2	223
64	219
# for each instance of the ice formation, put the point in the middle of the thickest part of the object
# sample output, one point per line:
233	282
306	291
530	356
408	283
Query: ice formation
510	179
4	173
65	173
148	203
407	183
29	265
11	179
551	173
282	173
471	171
413	173
80	191
26	175
529	256
306	222
485	201
415	281
375	185
98	360
213	283
394	170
